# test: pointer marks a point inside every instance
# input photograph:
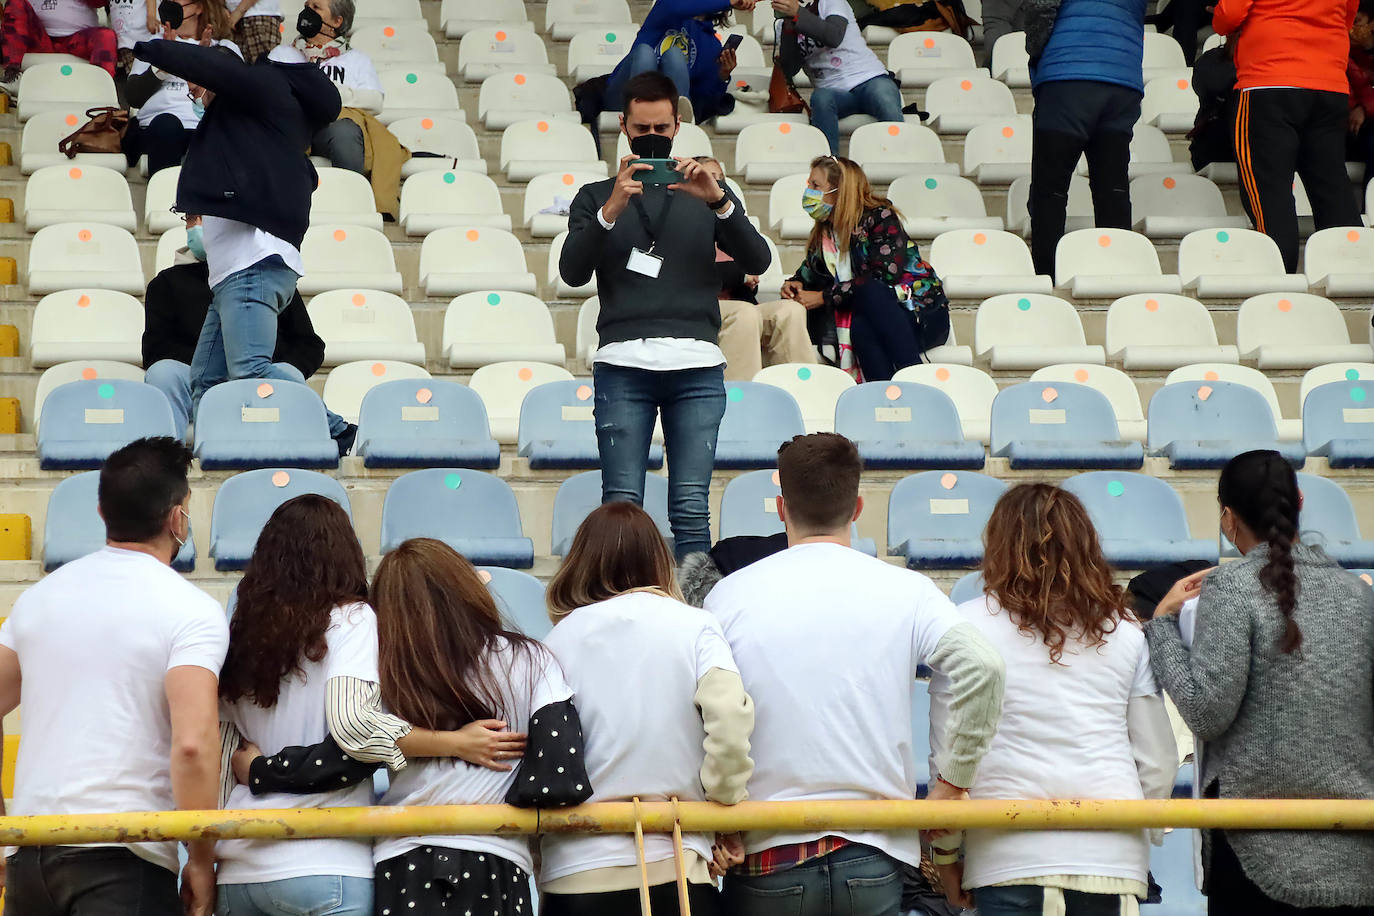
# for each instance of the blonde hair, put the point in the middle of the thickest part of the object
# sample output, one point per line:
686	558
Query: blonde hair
853	196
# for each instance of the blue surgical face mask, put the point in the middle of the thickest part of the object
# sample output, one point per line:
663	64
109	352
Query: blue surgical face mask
195	241
813	202
197	108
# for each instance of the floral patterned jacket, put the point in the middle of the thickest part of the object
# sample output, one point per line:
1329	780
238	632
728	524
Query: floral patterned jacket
880	252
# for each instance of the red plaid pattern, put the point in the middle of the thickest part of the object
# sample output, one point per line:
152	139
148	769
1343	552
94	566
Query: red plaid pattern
779	858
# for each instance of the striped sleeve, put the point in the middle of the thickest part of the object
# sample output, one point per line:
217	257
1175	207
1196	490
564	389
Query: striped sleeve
228	743
353	713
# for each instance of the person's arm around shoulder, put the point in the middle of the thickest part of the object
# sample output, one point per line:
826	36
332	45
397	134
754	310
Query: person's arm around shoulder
1229	15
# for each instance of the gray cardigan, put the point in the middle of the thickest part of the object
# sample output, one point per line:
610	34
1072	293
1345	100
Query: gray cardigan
1282	726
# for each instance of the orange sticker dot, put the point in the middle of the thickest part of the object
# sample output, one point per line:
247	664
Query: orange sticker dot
265	390
520	79
893	130
484	576
359	300
568	179
500	36
71	120
1183	84
980	238
281	479
1151	305
1204	392
740	84
1210	375
424	396
1080	375
389	32
340	235
542	127
88	373
473	235
282	28
525	374
942	374
929	42
1170	183
784	128
379	369
74	174
584	392
966	85
1366	579
1353	235
1105	241
776	481
948	481
83	302
1285	305
84	235
893	392
427	124
1048	395
1008	131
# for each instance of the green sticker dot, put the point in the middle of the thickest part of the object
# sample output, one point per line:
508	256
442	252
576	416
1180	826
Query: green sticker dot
107	391
1223	237
931	183
803	373
66	69
1116	488
1352	375
493	298
452	481
610	36
735	394
1357	394
450	178
1023	304
412	78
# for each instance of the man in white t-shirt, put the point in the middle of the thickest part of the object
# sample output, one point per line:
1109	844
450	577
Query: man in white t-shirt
120	660
828	641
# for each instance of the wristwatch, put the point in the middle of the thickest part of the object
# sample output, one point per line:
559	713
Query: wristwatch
720	204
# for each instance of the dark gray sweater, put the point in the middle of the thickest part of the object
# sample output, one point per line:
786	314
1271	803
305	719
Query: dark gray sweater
1281	725
682	302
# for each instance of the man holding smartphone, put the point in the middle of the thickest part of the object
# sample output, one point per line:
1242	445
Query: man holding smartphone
650	237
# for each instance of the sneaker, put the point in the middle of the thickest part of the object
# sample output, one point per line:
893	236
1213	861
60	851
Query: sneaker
346	439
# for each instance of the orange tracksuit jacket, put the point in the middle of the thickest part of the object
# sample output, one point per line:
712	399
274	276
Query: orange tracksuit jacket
1299	43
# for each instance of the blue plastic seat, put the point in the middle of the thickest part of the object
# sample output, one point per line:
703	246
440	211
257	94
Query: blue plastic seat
520	598
1337	423
1328	519
471	511
749	507
246	501
1206	424
936	518
1183	781
557	429
920	734
422	423
84	421
1140	519
581	493
905	425
969	587
758	418
74	528
1173	869
1059	425
258	423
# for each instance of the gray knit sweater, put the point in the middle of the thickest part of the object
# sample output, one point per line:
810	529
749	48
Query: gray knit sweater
1282	726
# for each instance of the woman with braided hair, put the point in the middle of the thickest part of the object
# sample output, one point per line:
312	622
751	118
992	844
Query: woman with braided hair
1278	681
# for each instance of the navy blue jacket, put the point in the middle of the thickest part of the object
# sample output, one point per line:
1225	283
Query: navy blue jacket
1102	41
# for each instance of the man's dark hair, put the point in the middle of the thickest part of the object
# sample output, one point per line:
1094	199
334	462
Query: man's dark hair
649	86
139	485
819	475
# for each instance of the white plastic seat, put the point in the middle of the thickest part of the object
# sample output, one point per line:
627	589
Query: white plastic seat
751	68
66	87
458	17
1110	263
399	43
921	58
975	263
1150	153
1340	261
69	193
435	200
785	214
972	391
343	196
889	150
400	10
1295	331
766	152
1289	430
957	104
456	260
553	192
596	52
1163	331
446	135
950	351
1333	372
1170	205
554	279
86	324
1079	214
815	388
511	97
998	151
493	327
413	93
70	255
530	148
159	199
772	279
502	388
690	141
365	324
1030	331
1010	62
45	130
1116	386
1169	103
491	49
349	383
62	373
343	257
932	204
1231	263
167	245
587	340
1163	56
565	18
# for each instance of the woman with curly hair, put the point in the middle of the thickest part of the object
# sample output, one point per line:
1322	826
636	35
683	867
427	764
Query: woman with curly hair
1081	717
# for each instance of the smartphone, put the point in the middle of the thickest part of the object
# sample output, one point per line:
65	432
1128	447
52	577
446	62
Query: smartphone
664	171
734	41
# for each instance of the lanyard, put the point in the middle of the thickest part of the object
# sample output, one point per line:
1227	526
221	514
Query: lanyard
653	230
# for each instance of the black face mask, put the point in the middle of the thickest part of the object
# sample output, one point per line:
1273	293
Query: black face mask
309	23
652	146
171	13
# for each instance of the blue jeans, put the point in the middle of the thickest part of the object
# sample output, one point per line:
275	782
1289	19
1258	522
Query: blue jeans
878	97
316	895
173	378
240	331
692	402
1029	900
642	59
855	880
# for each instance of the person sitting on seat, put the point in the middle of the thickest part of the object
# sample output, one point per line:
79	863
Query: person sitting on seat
53	27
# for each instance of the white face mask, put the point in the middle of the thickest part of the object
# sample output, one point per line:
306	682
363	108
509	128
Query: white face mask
181	542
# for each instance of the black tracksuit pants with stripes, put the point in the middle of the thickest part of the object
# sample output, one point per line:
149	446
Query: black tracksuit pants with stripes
1280	132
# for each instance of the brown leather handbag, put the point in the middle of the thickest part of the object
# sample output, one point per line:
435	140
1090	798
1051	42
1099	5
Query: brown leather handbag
103	133
783	97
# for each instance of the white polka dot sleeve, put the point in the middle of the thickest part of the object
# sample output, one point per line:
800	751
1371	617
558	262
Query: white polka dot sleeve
551	774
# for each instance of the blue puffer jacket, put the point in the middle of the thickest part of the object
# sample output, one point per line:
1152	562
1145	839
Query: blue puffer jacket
1098	40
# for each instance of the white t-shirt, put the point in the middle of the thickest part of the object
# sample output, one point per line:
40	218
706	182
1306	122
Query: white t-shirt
172	97
843	67
828	641
61	18
231	246
531	680
352	69
634	662
298	719
261	8
1062	735
129	19
95	640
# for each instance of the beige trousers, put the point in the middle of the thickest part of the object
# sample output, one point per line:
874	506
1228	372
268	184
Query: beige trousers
754	336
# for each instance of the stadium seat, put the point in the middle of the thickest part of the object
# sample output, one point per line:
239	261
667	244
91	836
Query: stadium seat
85	421
74	528
343	196
1059	425
438	143
1200	425
971	390
1328	519
1169	103
1231	263
456	260
1169	205
1174	868
1139	519
767	151
1340	261
439	199
554	278
786	218
509	97
596	52
1030	331
86	324
347	257
488	327
905	426
1162	55
473	512
257	423
245	502
976	263
1116	386
365	324
1150	153
168	244
349	383
1333	372
815	389
81	254
530	148
921	58
378	10
932	204
758	418
410	423
889	150
998	151
587	339
520	599
62	373
749	507
70	193
1163	331
398	43
1289	430
936	518
549	197
458	17
1010	62
502	388
968	588
949	352
64	87
1079	214
1295	331
42	133
1336	423
160	201
1108	263
558	429
772	279
417	93
565	18
920	735
957	104
691	140
579	494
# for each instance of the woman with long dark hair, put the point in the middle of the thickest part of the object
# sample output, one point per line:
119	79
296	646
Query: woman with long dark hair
1081	716
1275	675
